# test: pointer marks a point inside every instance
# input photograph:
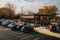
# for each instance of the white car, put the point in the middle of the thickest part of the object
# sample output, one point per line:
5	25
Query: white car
3	23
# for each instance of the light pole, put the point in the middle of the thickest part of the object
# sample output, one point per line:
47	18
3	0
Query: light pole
21	11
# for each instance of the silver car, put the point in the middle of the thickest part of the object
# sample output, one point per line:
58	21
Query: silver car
11	25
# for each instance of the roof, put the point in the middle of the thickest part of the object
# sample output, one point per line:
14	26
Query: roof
31	16
42	14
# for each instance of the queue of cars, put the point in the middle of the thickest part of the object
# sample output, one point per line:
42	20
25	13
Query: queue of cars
24	28
15	27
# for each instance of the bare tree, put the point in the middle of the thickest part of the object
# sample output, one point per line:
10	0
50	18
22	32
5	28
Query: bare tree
12	8
30	13
7	12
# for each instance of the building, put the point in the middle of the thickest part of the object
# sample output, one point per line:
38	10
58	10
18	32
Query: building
27	19
36	19
6	12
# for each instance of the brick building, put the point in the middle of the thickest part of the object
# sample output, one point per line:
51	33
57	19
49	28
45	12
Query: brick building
6	12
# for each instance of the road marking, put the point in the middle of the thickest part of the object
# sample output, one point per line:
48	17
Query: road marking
22	35
27	37
31	35
0	29
11	32
37	38
16	34
5	29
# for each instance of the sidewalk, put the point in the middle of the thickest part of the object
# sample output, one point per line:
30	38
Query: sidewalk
47	32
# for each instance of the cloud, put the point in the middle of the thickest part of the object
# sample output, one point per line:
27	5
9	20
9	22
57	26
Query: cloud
32	5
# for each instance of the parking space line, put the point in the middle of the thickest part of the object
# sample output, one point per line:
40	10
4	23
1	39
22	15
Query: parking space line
22	35
0	29
37	38
26	37
31	35
16	34
6	29
10	32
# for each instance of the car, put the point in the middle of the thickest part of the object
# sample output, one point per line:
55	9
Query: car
56	28
27	29
6	25
0	22
49	27
11	25
14	28
17	27
12	21
3	23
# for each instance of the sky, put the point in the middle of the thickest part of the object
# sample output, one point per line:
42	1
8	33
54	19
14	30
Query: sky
29	5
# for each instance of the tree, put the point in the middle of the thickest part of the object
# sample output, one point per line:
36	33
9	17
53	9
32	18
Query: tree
30	13
12	9
17	16
7	12
49	10
53	11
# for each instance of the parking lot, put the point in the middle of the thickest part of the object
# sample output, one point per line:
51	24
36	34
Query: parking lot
8	34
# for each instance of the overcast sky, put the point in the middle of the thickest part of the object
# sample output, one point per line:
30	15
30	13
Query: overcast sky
31	5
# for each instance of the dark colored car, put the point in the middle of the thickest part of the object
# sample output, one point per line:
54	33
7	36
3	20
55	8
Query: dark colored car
56	28
14	28
27	29
17	27
0	22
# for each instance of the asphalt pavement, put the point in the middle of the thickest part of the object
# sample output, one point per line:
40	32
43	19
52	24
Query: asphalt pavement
8	34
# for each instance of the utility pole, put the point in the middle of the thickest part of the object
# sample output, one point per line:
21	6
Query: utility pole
21	14
21	10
